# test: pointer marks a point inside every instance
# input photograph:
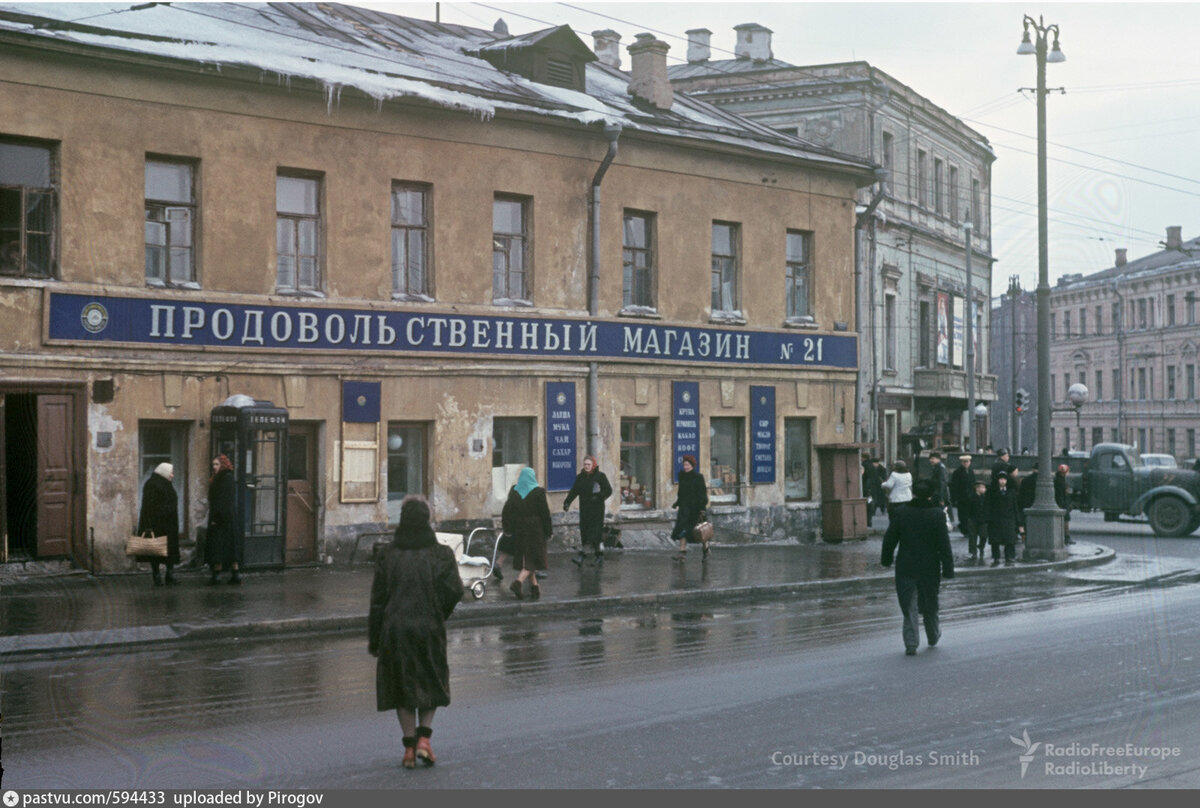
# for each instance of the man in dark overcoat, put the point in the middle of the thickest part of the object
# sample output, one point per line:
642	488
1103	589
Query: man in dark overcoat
919	530
1002	465
962	487
1002	513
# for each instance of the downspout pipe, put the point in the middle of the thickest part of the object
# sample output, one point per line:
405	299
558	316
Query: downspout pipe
612	131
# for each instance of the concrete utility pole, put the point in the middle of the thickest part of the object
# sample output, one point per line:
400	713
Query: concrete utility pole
1043	521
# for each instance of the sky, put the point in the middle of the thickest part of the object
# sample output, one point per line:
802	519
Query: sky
1122	160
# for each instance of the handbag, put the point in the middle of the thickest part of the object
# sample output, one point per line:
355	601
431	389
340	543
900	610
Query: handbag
703	532
147	544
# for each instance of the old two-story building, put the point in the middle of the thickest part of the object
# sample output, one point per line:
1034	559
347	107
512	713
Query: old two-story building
917	283
368	256
1129	334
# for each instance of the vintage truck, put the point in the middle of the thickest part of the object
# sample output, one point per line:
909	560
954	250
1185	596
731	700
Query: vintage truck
1113	479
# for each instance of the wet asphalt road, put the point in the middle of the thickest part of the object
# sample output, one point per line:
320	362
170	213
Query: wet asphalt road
731	698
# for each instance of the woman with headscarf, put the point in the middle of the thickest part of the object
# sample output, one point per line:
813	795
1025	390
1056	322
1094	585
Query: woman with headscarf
415	589
526	517
691	502
160	515
223	539
593	489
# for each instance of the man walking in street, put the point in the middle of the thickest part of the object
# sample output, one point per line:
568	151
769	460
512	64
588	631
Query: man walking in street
919	530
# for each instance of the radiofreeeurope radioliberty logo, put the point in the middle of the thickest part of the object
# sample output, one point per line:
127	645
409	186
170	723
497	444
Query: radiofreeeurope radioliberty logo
1079	759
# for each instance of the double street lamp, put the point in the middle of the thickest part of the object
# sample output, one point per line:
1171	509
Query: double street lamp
1044	520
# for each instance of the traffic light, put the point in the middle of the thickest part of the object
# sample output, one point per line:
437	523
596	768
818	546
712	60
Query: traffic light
1020	404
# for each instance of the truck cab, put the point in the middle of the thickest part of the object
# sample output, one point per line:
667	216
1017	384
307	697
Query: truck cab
1116	481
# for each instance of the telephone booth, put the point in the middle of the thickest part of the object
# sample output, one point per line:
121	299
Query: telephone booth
253	435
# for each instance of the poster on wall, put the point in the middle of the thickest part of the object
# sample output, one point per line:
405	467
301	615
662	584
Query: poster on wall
686	423
560	436
943	328
762	435
959	343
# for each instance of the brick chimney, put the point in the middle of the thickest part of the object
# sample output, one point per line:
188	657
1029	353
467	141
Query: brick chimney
649	82
753	42
1121	259
699	51
1174	237
607	47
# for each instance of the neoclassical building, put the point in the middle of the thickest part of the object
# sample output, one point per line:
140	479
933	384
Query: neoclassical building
914	289
368	256
1129	333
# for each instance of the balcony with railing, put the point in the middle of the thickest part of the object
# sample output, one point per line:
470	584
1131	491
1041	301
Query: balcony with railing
951	383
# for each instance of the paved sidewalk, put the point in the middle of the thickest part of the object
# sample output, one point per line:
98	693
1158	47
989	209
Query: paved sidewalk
74	612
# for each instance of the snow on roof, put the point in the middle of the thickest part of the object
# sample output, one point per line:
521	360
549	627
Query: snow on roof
385	57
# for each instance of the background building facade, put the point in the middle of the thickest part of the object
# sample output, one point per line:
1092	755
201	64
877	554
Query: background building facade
442	253
912	282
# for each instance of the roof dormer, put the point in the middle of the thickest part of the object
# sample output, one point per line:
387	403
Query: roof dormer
555	56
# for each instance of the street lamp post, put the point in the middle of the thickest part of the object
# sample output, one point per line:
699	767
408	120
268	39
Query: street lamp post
1044	520
980	414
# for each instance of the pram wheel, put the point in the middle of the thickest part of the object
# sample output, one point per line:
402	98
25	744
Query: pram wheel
477	589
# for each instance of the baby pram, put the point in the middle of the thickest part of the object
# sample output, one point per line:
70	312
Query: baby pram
474	570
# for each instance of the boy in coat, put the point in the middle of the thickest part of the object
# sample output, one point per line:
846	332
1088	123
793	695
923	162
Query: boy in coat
1002	513
972	514
919	528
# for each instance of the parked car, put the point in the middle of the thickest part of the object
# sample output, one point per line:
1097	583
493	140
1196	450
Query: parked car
1162	461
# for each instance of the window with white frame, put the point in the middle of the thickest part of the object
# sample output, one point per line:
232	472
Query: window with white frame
510	250
170	222
799	274
637	280
725	295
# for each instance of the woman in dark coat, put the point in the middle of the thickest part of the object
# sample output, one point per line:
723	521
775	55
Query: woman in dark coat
416	587
593	489
691	502
223	539
526	517
160	515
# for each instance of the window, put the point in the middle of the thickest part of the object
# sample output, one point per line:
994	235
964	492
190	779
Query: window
1053	384
1141	378
298	233
889	332
1116	377
1170	310
638	278
1141	443
510	250
410	241
1099	320
512	450
1067	386
1190	373
170	222
1067	324
889	151
405	465
797	458
954	193
939	202
1141	309
1171	442
1053	325
164	442
1150	386
1191	443
637	464
1116	317
28	209
724	267
976	211
1189	301
925	324
726	464
922	178
1097	435
1171	381
799	272
1116	435
1083	322
1099	385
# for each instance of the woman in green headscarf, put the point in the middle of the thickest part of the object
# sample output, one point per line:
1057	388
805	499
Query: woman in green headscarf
526	517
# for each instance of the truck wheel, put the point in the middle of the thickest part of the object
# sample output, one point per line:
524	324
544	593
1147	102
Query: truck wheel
1170	516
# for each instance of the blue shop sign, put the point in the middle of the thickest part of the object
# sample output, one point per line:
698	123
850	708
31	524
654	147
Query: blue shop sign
762	434
176	323
560	436
685	412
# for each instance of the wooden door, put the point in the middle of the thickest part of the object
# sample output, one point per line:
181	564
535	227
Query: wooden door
302	501
55	474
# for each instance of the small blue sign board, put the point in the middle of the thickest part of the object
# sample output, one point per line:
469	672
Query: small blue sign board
561	464
360	402
762	435
686	423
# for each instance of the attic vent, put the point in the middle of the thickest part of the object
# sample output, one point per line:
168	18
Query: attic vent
560	72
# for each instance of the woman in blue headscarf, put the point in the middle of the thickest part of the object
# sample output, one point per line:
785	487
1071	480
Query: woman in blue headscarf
526	517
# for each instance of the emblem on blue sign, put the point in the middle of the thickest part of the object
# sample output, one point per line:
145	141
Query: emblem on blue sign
561	398
94	317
